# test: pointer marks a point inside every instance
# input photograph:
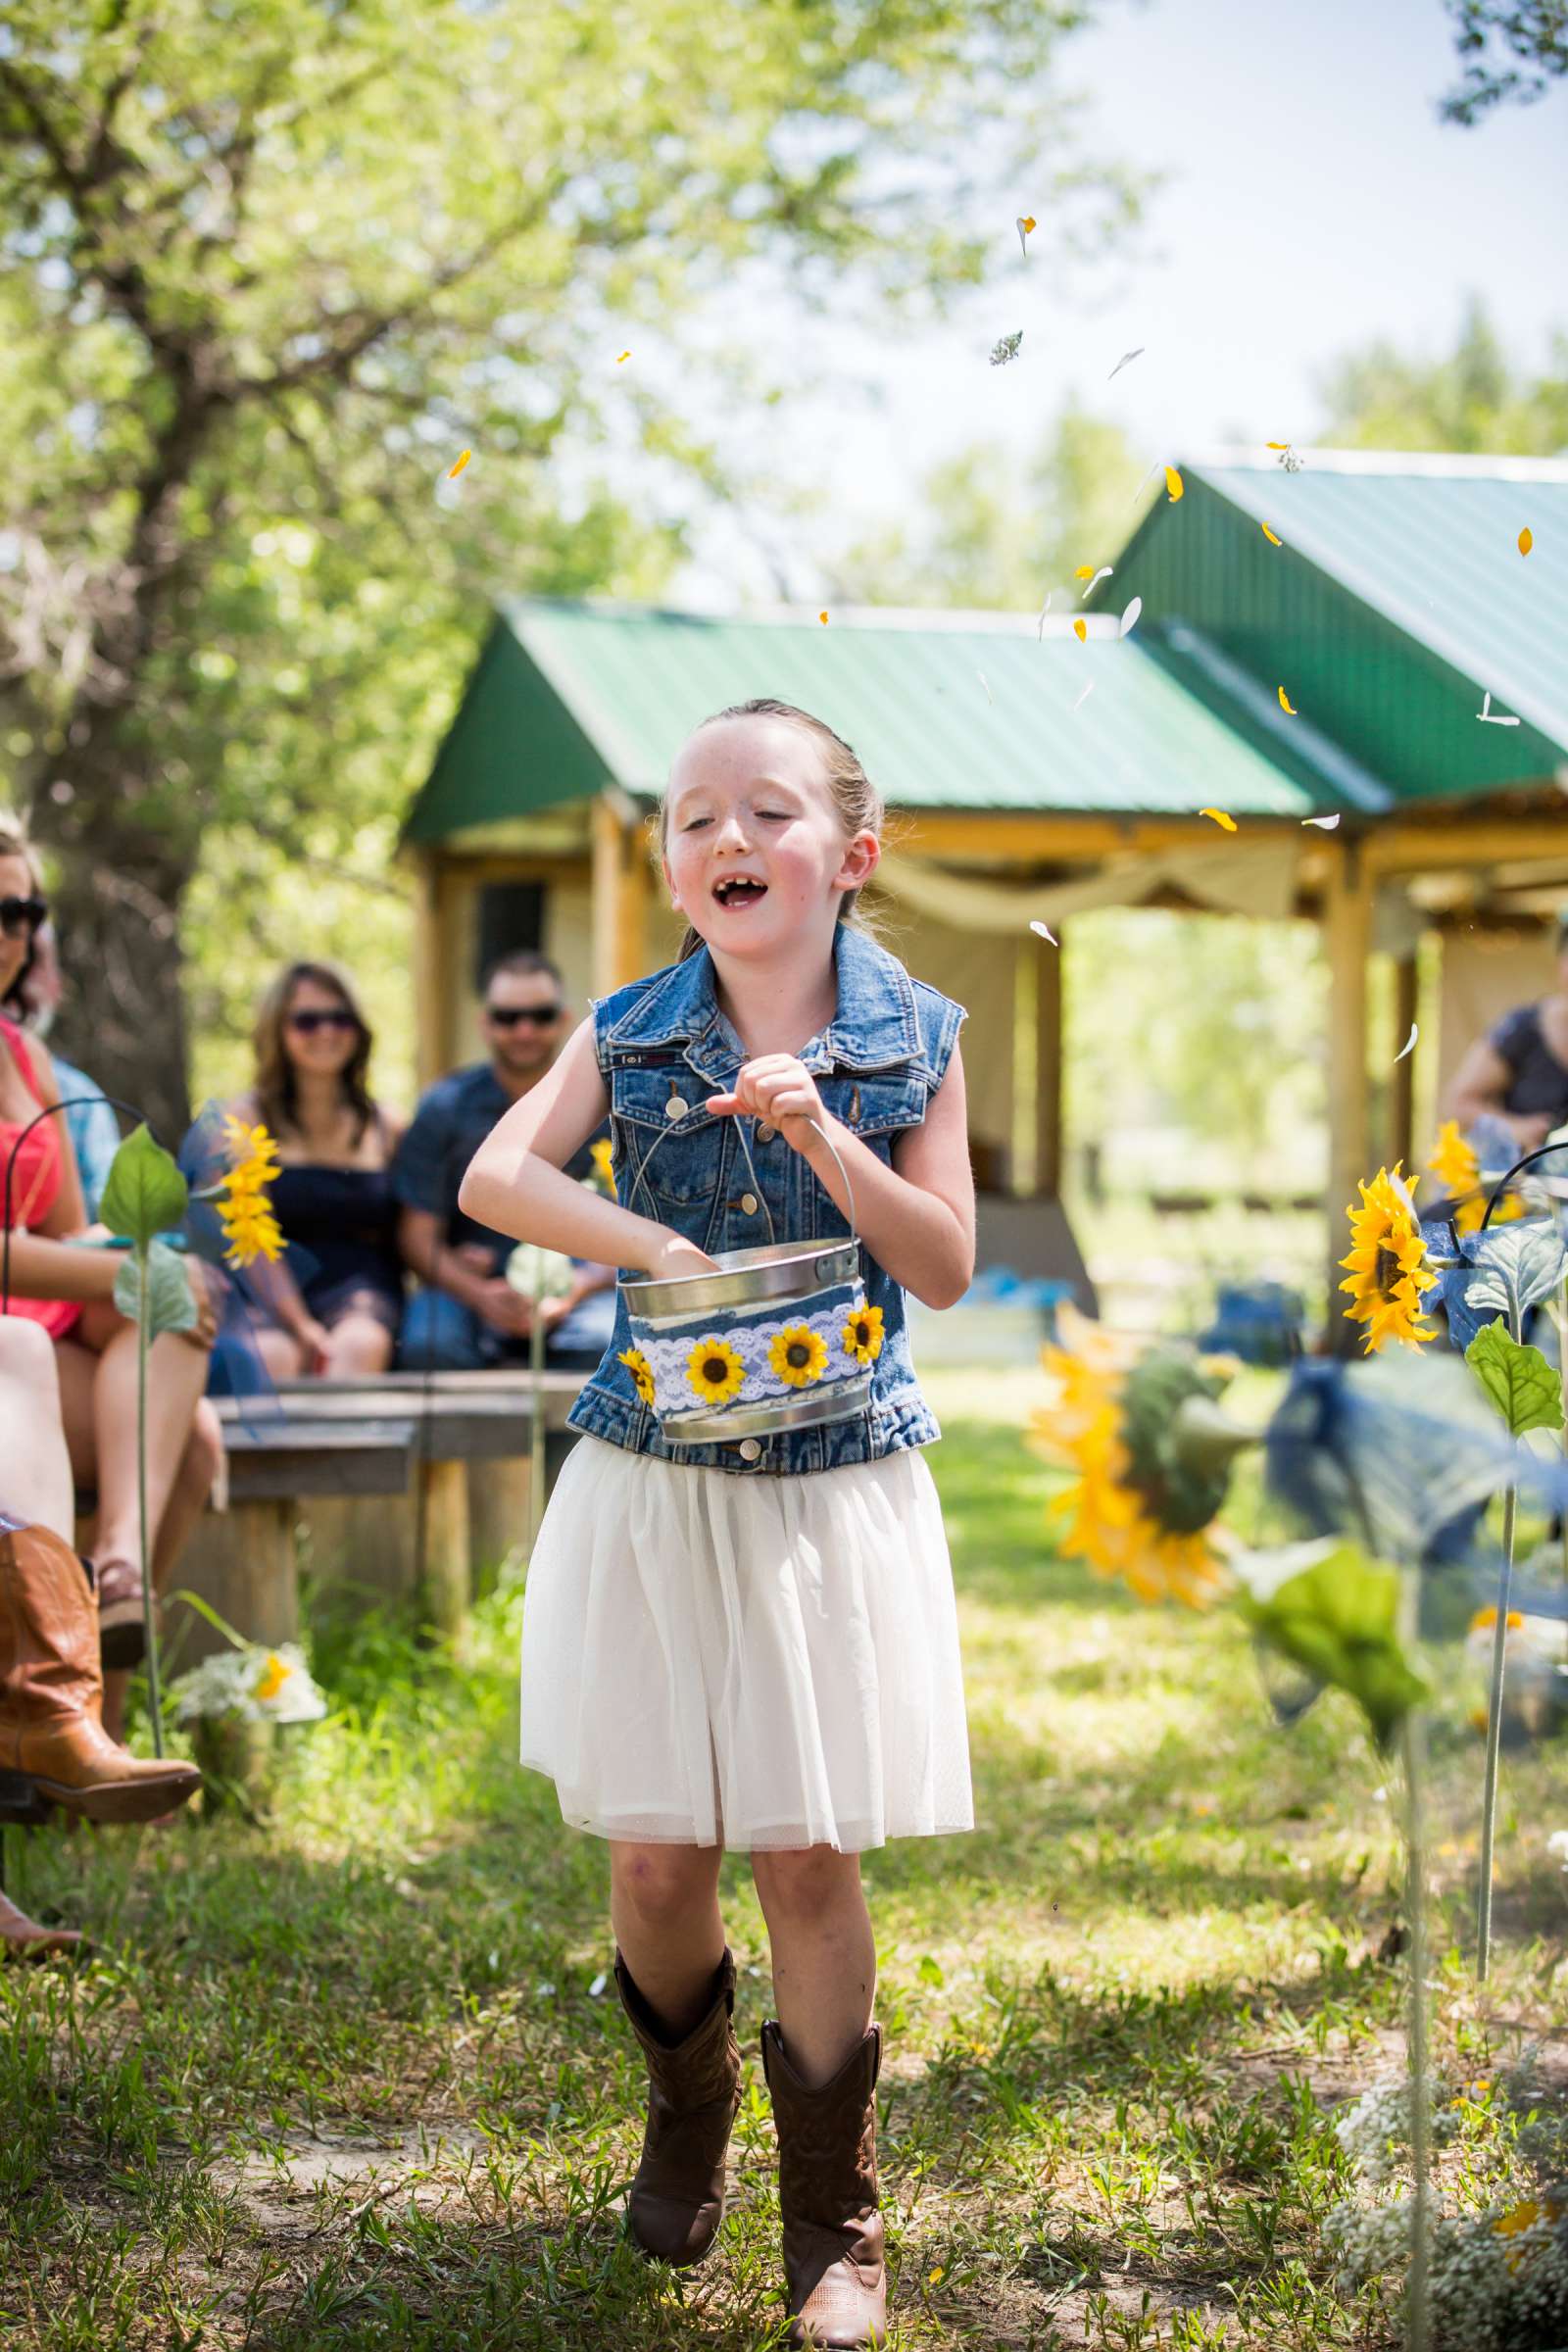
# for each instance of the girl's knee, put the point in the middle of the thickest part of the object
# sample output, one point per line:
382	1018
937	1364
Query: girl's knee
661	1884
805	1882
26	1351
204	1451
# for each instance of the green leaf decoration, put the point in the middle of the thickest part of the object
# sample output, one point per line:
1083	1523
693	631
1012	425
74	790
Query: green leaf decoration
1516	1267
146	1194
170	1300
1522	1385
1338	1617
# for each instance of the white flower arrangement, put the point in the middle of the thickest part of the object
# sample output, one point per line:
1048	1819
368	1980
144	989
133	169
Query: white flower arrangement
259	1685
539	1273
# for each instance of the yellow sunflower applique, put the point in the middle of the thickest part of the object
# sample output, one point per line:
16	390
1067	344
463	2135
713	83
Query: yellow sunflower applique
862	1334
716	1371
641	1371
1387	1265
798	1354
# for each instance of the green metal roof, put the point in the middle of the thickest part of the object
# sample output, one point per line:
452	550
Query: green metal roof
948	710
1397	600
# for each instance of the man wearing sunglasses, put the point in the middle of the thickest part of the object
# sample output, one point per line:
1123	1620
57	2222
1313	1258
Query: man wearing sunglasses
469	1316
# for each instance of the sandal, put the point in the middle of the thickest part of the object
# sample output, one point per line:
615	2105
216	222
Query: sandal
122	1620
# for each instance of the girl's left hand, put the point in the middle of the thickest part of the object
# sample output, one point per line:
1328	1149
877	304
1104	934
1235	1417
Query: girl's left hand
778	1089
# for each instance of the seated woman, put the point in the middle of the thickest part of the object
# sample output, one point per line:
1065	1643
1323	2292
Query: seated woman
69	1291
1519	1070
332	1304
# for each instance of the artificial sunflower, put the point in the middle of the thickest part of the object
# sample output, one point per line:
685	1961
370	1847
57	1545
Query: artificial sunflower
862	1334
1388	1272
244	1208
1141	1507
799	1356
716	1371
641	1371
1457	1168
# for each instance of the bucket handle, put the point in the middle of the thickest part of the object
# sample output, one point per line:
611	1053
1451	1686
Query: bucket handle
639	1180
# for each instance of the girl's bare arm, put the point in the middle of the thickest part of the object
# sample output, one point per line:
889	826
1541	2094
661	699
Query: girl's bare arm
516	1182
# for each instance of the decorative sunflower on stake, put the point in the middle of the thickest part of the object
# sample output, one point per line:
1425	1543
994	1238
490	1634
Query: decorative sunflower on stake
1140	1426
1388	1275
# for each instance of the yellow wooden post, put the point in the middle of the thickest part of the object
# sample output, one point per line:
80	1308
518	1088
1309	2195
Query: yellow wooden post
1048	1069
1346	938
621	891
1402	1082
429	972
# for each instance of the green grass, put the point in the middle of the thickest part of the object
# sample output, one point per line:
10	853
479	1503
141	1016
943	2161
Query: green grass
341	2081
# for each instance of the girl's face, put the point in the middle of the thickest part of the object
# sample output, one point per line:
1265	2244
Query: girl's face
15	941
319	1033
755	850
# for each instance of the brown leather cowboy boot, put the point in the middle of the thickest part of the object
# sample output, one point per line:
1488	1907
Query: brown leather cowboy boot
22	1938
51	1691
694	2087
833	2239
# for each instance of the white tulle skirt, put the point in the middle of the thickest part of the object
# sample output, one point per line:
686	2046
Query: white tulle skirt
720	1660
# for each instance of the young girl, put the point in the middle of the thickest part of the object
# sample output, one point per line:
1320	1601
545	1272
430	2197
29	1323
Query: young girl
753	1646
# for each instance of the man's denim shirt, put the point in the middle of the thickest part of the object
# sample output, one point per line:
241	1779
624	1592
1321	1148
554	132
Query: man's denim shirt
876	1066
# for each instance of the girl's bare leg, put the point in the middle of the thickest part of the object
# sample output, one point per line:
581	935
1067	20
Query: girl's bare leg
280	1350
663	1906
176	1375
824	1955
35	1476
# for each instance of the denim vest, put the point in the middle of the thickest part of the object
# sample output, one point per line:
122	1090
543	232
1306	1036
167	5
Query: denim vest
876	1066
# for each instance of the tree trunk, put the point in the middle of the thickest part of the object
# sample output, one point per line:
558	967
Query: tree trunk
123	1014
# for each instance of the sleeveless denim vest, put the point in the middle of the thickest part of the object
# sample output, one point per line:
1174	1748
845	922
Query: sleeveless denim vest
876	1066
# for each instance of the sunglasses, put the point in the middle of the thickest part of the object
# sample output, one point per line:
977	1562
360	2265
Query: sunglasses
538	1016
308	1023
22	916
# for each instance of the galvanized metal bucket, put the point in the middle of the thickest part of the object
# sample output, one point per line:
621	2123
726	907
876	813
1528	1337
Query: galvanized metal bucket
779	1338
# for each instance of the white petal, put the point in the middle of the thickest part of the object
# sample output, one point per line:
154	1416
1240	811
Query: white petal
1130	617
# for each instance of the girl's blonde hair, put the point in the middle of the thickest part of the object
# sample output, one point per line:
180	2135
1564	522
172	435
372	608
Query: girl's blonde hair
15	842
275	1090
856	798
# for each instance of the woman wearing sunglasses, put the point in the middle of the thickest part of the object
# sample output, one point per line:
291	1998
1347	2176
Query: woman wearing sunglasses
335	1299
68	1288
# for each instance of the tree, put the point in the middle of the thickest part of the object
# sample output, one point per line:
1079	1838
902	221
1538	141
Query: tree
264	268
1377	398
1534	31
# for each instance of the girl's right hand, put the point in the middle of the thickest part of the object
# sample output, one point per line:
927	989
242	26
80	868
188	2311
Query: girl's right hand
674	1255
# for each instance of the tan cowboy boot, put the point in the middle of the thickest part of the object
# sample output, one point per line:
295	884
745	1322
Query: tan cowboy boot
694	2087
51	1691
22	1938
833	2240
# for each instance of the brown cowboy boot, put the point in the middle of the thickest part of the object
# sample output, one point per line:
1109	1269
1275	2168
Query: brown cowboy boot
833	2240
51	1691
694	2087
22	1938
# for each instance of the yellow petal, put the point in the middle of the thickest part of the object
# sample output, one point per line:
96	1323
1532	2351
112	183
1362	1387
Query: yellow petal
1220	819
1276	445
626	354
1080	629
1173	483
1028	220
453	471
1285	704
822	617
1084	572
1271	536
1527	540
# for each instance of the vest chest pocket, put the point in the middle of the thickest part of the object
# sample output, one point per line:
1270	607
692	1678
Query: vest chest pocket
874	1107
684	1173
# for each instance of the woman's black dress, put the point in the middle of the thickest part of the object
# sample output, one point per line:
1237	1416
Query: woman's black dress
341	1225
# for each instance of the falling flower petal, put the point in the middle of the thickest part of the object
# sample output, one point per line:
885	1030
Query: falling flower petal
1276	445
822	617
1083	571
597	1986
1046	932
1285	703
1173	483
1220	819
1527	540
1272	537
1103	573
1040	634
1080	629
1023	224
1130	617
1084	697
1143	484
626	354
1126	357
990	697
1489	717
1328	824
453	471
1005	348
1408	1043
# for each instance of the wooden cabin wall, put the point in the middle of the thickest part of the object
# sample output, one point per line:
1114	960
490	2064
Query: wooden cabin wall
1484	975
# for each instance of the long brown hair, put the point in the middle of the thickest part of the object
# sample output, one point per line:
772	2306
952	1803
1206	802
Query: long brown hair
15	843
275	1090
853	795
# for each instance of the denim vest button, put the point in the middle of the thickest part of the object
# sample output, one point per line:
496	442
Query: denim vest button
749	1203
676	1108
765	1134
750	1449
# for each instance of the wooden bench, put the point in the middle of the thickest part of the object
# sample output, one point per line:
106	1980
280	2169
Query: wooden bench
404	1490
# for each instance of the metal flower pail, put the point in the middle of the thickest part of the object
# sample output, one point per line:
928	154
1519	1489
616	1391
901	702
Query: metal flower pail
779	1338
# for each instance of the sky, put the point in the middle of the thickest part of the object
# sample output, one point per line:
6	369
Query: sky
1312	203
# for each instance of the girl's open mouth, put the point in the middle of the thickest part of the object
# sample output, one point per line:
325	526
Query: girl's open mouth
739	890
